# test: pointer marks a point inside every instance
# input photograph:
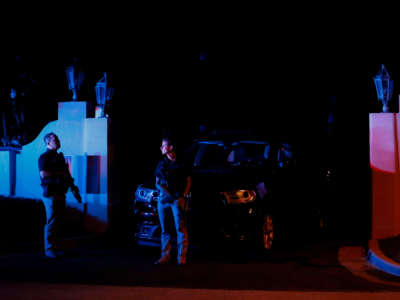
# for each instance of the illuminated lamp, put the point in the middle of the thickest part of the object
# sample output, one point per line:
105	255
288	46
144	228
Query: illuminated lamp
103	95
75	79
384	88
71	81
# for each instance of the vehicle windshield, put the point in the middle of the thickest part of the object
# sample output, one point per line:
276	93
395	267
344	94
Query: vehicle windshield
219	154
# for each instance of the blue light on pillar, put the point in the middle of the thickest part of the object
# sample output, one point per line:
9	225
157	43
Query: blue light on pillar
384	88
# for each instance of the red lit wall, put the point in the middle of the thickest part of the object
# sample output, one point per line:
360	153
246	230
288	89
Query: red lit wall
384	161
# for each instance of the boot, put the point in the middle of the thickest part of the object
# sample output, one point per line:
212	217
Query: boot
181	261
163	260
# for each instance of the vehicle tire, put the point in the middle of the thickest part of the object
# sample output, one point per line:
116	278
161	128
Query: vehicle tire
268	231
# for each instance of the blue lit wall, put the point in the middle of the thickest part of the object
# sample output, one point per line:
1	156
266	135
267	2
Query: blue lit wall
84	143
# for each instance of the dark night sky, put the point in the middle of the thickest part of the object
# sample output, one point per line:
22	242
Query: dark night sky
234	86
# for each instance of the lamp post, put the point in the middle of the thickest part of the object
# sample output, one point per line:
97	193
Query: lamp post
384	88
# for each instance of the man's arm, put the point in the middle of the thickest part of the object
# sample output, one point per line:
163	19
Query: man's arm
70	180
161	187
65	174
45	174
188	185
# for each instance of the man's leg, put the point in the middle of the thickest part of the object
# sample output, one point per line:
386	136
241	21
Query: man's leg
54	207
163	210
181	231
50	226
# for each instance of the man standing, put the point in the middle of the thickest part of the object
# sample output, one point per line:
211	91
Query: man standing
55	180
173	181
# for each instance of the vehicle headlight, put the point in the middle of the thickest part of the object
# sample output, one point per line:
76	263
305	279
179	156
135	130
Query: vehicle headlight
240	196
146	195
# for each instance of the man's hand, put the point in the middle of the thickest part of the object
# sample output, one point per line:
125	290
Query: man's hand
182	203
75	192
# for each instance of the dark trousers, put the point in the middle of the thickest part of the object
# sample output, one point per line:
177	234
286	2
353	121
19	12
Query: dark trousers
55	206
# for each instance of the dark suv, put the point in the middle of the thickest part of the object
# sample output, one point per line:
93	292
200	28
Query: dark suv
239	189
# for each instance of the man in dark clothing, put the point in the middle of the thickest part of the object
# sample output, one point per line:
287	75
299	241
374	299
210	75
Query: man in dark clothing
173	181
56	179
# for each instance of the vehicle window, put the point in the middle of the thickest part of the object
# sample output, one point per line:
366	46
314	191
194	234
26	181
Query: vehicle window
213	155
219	155
190	154
247	152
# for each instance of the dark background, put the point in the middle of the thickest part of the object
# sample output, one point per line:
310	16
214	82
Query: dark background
158	91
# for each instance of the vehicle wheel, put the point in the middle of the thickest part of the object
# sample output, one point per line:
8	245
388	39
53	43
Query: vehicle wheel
268	232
